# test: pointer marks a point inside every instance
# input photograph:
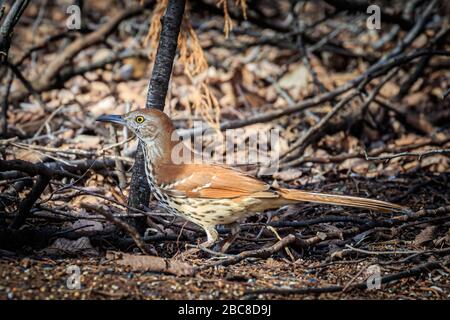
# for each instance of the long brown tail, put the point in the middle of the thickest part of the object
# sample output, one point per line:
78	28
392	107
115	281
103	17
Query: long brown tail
382	206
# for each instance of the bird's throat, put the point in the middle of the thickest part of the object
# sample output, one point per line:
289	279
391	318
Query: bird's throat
151	158
152	151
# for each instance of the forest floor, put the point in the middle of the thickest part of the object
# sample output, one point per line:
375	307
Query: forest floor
45	274
46	278
389	141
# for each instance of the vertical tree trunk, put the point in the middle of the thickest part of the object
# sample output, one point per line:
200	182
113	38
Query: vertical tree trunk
6	29
156	96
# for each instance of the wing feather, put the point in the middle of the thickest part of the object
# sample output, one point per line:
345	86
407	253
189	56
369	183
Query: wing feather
207	181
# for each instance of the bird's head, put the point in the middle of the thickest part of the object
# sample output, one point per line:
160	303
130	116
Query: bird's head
153	127
149	125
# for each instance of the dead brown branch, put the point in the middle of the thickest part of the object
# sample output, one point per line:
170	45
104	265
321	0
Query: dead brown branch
419	155
262	253
132	232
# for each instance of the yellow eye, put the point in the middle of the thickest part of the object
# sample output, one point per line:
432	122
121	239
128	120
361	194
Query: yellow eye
139	119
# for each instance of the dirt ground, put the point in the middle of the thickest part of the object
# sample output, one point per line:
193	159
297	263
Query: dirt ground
33	274
390	140
46	279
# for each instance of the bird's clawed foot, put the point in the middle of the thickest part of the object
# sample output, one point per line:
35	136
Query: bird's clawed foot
212	237
194	249
219	249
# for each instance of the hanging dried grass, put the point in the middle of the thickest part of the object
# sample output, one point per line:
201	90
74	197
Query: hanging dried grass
195	66
228	22
243	5
154	31
209	107
192	56
193	60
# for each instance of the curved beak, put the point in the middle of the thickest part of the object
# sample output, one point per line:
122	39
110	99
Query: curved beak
111	118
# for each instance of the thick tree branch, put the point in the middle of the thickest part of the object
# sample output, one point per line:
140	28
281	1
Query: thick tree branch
157	91
25	206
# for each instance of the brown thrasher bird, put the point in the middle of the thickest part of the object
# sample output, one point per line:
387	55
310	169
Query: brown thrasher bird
211	194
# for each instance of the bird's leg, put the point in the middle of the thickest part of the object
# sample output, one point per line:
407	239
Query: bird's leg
212	236
235	228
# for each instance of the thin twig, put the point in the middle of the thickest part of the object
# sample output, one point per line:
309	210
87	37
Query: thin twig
134	234
258	253
301	143
419	155
382	252
120	170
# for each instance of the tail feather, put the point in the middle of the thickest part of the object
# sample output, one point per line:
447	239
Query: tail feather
377	205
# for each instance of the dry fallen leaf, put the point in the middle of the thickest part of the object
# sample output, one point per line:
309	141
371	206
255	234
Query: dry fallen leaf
151	263
85	141
296	78
62	246
288	175
29	155
426	235
103	106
